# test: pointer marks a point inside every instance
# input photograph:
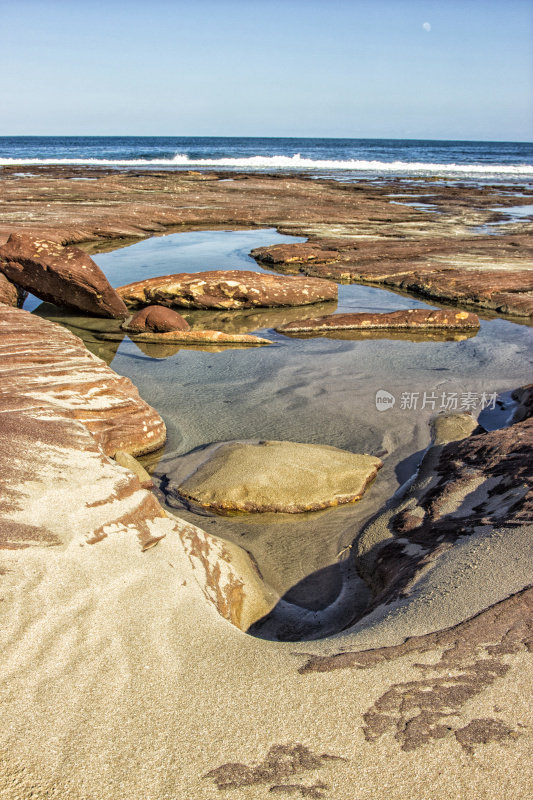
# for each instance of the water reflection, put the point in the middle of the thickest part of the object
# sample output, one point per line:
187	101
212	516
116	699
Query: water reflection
102	337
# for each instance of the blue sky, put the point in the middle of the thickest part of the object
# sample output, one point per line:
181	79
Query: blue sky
349	68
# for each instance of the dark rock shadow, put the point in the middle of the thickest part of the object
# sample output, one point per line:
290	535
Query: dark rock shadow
323	603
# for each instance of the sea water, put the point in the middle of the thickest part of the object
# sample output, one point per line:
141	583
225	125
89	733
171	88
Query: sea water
344	159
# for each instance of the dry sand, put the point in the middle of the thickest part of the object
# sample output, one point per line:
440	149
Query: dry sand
120	681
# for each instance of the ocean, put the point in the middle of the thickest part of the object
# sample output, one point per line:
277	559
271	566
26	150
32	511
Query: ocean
343	159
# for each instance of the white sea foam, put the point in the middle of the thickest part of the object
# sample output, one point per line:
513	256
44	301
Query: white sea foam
287	162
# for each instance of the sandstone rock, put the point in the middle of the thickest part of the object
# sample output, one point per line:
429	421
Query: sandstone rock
285	477
56	484
410	319
431	268
524	398
10	294
127	461
204	338
47	365
228	577
452	427
295	254
65	276
507	291
227	289
464	488
156	319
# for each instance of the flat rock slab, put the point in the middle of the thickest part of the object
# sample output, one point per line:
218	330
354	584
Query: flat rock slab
65	276
227	289
270	476
410	319
287	254
427	269
204	338
44	364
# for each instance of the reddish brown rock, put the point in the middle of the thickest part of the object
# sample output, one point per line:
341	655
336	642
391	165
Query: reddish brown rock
286	254
65	276
431	268
410	319
493	470
11	295
46	365
524	398
227	289
156	319
56	484
204	338
507	291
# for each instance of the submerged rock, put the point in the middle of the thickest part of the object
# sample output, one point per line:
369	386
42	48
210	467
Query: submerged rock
284	477
227	289
155	319
409	319
65	276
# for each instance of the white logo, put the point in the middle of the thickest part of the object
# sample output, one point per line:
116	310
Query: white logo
384	400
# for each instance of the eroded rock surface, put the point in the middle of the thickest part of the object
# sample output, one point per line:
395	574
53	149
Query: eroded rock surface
285	477
227	289
65	276
10	294
228	577
199	338
464	489
423	269
410	319
286	254
44	364
57	484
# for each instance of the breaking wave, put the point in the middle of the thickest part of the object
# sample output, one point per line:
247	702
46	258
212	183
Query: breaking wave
181	160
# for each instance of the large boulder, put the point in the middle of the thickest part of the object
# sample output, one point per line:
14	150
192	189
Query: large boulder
156	319
65	276
412	319
270	476
227	289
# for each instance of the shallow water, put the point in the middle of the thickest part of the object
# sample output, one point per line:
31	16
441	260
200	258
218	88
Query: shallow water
317	390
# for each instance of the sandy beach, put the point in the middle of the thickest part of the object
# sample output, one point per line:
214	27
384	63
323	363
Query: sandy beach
391	649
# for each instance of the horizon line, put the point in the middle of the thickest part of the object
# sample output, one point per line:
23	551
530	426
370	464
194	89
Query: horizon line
233	136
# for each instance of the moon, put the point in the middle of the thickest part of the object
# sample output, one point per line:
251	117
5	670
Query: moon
426	26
